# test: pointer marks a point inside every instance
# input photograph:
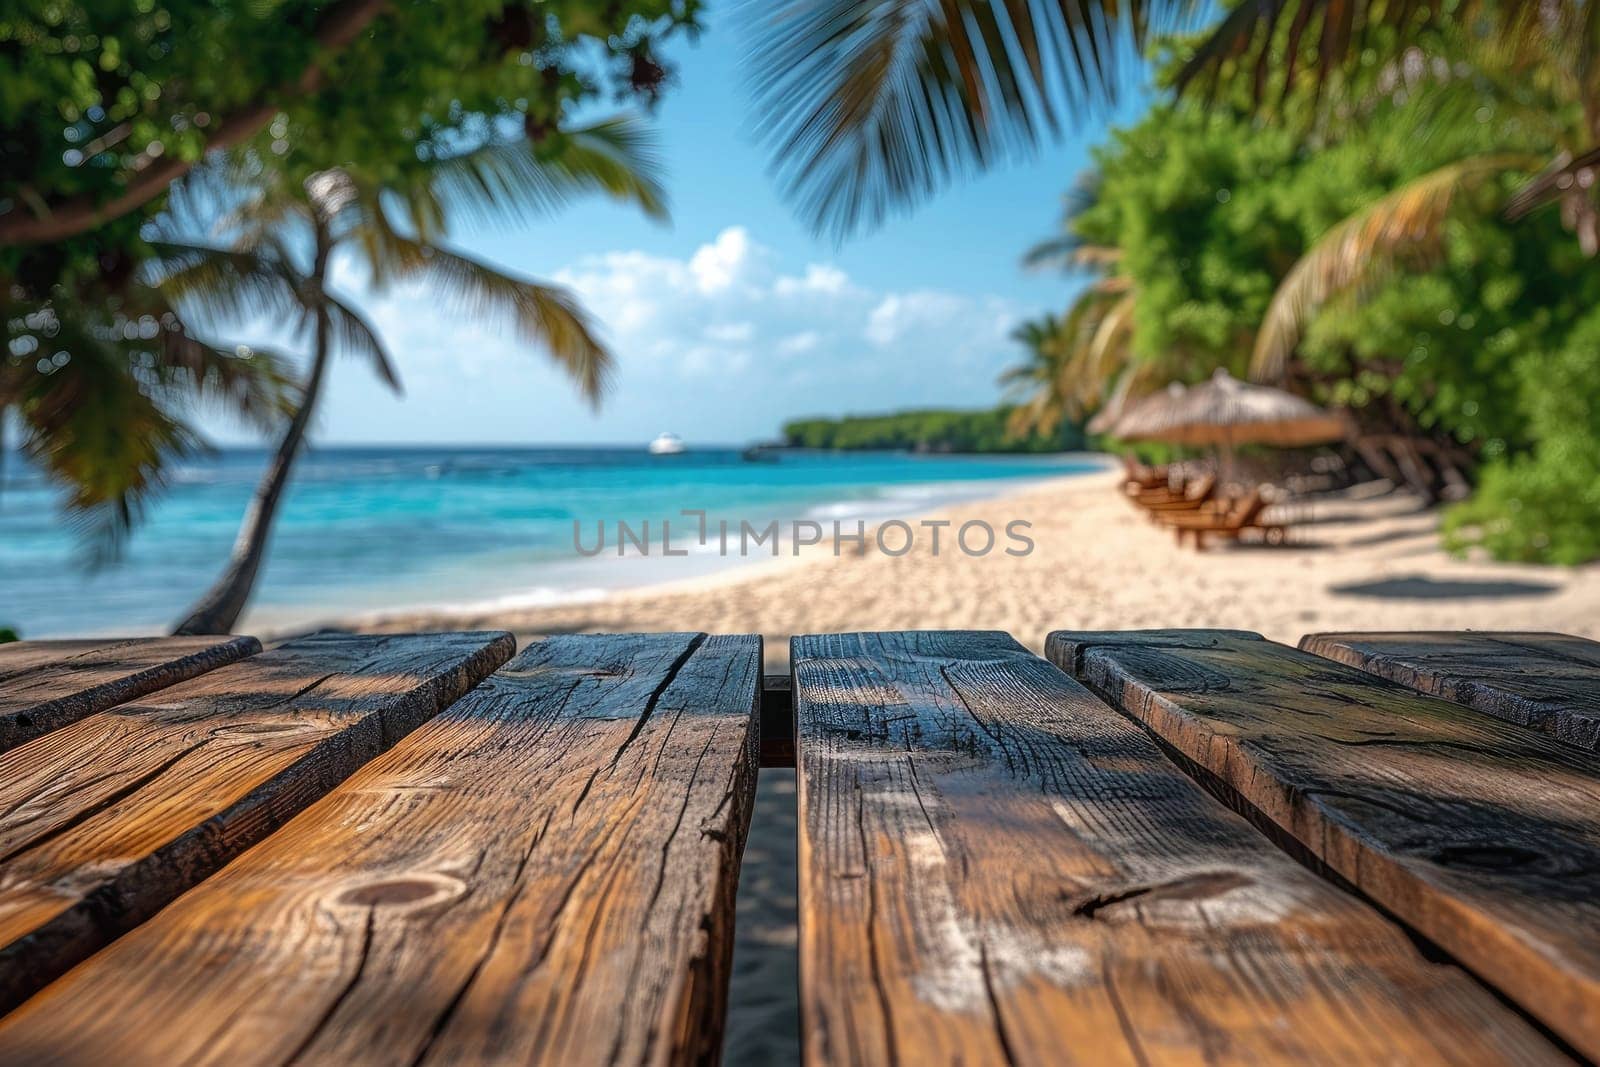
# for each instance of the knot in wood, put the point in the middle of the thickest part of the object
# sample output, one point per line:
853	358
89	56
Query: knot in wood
408	891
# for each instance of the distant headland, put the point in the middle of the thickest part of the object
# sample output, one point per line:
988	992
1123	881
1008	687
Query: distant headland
991	430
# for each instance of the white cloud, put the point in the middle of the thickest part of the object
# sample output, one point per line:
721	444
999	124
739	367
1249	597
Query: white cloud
818	278
727	331
701	312
730	332
721	343
798	343
898	314
724	262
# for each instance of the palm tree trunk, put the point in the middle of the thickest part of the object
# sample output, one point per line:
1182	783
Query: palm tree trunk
220	608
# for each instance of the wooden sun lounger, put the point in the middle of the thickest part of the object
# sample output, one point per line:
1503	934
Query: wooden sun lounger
1140	477
1192	497
372	850
1241	515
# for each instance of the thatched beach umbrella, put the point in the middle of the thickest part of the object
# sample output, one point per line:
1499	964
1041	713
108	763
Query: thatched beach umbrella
1120	402
1225	413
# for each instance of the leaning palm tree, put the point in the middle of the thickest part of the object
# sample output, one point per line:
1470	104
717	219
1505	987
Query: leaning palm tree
873	105
284	240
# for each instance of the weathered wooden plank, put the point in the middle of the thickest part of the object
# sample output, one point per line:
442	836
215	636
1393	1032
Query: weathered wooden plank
105	820
997	868
1067	647
1483	836
1550	682
46	684
543	874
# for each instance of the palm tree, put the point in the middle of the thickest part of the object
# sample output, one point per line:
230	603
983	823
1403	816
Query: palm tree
1084	362
283	243
1077	363
1405	228
100	390
1032	384
1549	54
872	105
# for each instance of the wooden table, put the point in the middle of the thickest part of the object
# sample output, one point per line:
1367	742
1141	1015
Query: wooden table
1149	847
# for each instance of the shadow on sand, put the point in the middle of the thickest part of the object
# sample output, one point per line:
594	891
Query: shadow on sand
1421	587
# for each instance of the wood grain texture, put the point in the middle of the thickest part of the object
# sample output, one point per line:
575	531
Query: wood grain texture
47	684
997	868
1483	836
1066	647
543	874
1550	682
105	820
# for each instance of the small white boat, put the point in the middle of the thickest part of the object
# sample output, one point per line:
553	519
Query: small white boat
666	444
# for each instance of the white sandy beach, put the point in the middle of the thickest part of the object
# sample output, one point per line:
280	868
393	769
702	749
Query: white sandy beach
1356	560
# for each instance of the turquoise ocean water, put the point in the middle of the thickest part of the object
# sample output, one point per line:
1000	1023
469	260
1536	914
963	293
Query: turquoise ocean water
372	529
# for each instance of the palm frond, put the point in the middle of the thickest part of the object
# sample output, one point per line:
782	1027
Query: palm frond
229	193
1560	176
1040	415
1317	40
1071	361
1097	256
106	415
872	105
1138	379
220	285
543	315
355	336
93	426
1068	252
1404	226
383	248
256	384
1106	350
618	157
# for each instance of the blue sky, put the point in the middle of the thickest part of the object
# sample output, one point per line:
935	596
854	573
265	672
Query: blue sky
733	317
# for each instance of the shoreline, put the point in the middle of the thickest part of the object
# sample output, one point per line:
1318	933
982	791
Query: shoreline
1356	560
942	497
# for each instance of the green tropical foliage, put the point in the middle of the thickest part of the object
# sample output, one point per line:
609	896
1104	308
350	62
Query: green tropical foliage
111	103
1541	504
1373	268
102	396
870	107
928	431
458	111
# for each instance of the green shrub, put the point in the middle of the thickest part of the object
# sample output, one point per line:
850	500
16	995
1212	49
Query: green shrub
1543	505
8	634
